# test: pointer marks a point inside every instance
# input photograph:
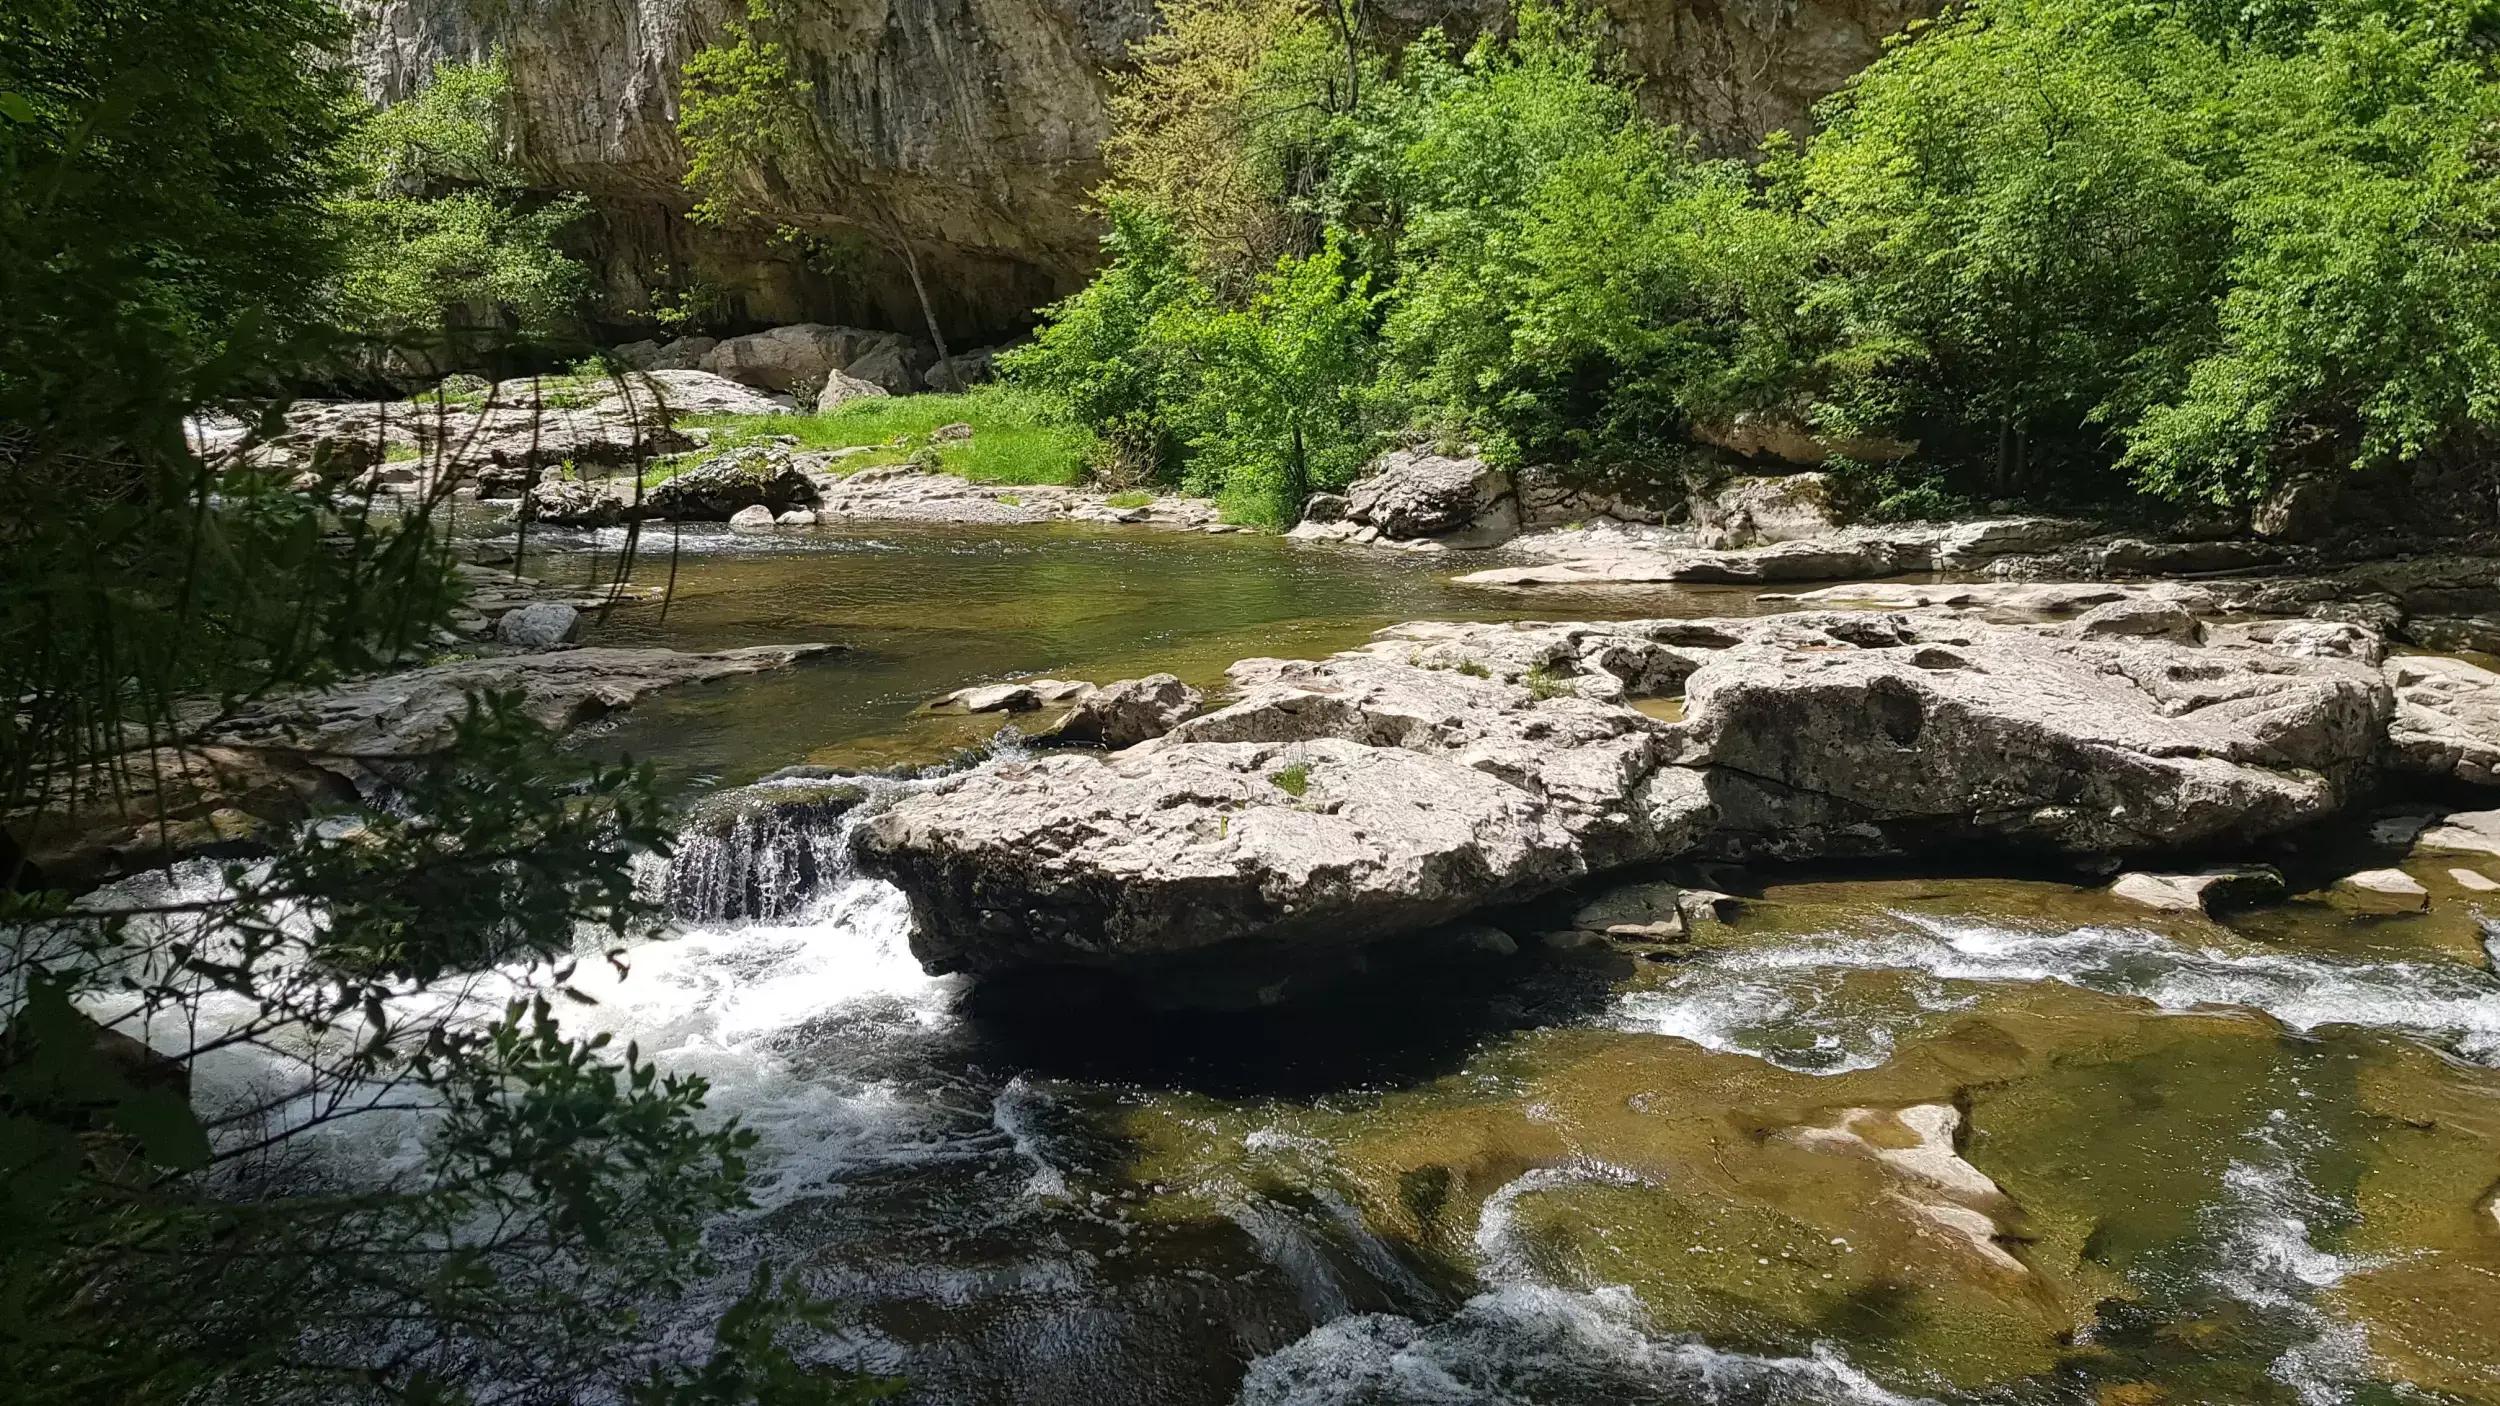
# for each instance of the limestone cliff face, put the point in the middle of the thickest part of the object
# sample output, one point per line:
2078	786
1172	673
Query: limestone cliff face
975	122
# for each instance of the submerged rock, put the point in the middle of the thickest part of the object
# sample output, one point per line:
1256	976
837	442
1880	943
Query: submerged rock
2381	890
2465	832
2212	891
1446	767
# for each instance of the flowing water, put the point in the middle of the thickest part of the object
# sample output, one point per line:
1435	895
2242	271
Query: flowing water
1872	1140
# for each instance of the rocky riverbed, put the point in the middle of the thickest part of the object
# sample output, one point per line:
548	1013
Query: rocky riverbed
1960	991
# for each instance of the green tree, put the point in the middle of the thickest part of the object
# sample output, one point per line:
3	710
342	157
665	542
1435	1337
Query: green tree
1276	410
1113	356
2019	217
445	256
168	205
2361	323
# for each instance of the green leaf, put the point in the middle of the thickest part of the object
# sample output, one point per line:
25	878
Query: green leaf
16	108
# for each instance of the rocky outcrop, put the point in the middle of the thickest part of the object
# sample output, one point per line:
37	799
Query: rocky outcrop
720	489
251	774
901	493
499	438
1754	434
1125	713
1447	767
2447	722
973	128
1418	497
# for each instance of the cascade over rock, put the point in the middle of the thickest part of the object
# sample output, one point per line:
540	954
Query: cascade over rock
976	124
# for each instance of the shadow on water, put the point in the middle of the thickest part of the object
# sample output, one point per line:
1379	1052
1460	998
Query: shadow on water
1408	1020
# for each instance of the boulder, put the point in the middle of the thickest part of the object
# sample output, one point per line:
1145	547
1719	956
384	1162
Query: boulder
1752	509
2380	891
690	392
1324	508
841	388
796	517
541	626
793	358
890	362
1412	493
956	433
1634	913
719	489
2465	832
2447	721
1025	696
2474	881
1125	713
1804	737
572	502
1168	855
683	354
756	518
2211	891
2152	619
964	370
638	356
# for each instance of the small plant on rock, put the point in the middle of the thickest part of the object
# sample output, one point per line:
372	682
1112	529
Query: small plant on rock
1294	781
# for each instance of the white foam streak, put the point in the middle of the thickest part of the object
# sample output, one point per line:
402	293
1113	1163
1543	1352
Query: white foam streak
1753	1001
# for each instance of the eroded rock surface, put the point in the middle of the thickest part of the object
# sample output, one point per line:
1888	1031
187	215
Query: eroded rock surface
1327	800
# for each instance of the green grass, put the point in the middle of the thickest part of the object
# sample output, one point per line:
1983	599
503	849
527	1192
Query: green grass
1011	442
1131	498
1543	683
1294	781
1472	669
400	452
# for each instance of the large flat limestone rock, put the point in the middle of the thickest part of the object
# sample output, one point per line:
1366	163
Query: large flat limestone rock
1445	767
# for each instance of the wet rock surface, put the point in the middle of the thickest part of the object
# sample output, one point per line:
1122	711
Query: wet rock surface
1321	800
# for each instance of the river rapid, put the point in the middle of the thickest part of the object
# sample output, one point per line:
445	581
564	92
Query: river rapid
1979	1138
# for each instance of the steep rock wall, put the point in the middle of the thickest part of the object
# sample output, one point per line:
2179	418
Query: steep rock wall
977	123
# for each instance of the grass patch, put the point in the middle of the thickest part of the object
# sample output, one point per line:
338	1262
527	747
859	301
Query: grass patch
1130	498
1544	683
1472	669
400	452
1011	442
1294	781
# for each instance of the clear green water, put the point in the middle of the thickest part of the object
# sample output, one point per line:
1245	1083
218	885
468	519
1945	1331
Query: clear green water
928	609
2244	1163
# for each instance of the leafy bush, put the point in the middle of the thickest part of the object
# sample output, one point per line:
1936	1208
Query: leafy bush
444	254
1110	358
2069	247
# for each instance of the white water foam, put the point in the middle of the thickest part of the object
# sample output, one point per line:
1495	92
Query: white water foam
1555	1347
1737	1000
1525	1340
2268	1258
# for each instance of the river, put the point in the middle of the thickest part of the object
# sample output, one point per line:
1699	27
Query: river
2211	1163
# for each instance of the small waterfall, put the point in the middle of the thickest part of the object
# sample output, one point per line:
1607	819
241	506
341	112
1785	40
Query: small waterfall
762	851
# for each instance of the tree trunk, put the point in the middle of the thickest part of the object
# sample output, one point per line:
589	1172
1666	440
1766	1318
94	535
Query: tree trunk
928	314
